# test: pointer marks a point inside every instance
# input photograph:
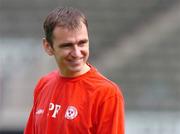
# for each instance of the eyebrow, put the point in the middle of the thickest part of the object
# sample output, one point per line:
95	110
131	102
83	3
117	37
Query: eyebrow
71	43
83	41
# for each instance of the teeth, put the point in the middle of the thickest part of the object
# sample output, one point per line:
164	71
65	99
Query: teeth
76	61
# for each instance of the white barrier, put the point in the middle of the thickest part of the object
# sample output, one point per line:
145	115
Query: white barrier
149	122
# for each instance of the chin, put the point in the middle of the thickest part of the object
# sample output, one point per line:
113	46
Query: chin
76	69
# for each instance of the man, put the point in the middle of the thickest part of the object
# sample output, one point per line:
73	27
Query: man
76	98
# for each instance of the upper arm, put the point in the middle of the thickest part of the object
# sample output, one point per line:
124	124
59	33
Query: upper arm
111	116
31	120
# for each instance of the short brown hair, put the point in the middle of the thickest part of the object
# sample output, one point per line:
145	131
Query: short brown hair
66	17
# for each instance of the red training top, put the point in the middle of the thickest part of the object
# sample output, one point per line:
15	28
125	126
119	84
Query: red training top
87	104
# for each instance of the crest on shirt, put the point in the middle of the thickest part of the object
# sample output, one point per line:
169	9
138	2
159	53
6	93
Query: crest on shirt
71	112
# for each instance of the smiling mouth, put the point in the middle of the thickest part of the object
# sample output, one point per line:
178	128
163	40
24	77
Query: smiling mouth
76	61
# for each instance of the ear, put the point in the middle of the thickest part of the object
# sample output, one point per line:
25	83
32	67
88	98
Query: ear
47	47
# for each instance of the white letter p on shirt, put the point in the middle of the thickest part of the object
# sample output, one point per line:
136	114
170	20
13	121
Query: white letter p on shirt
54	107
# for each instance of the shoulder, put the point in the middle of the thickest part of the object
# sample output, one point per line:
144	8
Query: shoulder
43	81
102	85
109	92
109	87
46	78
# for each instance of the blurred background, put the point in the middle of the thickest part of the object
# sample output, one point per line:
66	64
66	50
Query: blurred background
135	43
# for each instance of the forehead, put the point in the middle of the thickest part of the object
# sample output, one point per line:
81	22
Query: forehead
62	34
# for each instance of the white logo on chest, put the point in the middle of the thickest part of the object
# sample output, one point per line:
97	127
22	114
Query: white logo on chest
55	108
39	111
71	113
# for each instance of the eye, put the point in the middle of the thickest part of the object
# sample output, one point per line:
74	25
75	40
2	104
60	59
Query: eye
65	45
82	42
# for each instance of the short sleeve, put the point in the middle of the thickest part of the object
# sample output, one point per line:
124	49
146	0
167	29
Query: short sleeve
111	116
30	123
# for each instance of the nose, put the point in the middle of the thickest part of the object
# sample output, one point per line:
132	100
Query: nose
76	52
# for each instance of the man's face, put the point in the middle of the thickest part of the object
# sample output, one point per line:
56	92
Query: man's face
71	49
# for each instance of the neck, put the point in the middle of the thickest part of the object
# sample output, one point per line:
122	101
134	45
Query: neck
85	69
